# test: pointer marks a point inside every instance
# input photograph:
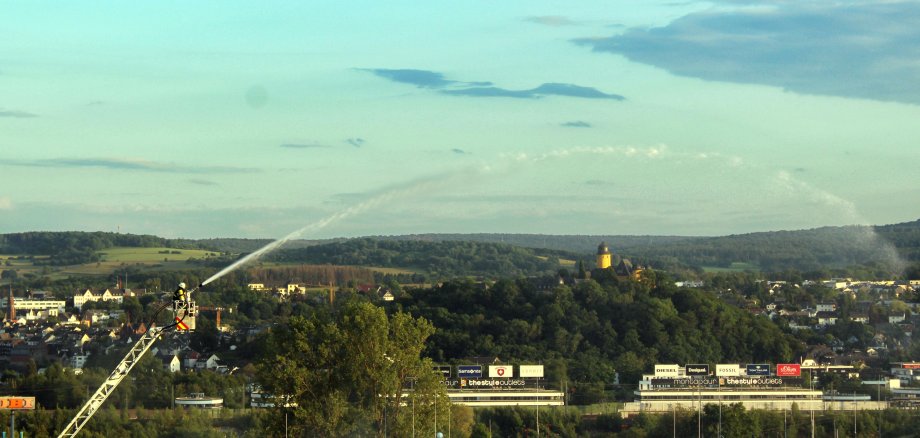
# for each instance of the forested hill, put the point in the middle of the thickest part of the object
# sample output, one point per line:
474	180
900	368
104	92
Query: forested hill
48	242
886	247
75	247
436	258
590	330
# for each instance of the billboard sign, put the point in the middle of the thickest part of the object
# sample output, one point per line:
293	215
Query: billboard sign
715	382
501	371
666	370
788	369
758	369
17	403
697	369
489	383
469	371
530	371
443	369
728	370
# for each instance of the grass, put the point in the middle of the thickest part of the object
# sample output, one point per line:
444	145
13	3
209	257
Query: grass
562	262
113	259
152	255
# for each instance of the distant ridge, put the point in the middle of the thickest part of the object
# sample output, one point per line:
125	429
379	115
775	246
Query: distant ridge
885	247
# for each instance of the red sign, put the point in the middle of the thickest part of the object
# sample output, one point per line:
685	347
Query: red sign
501	371
911	366
788	369
17	403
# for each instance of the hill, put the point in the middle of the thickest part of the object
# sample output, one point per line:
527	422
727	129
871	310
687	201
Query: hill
879	251
887	247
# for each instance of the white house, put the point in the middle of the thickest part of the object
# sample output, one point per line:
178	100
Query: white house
87	295
172	363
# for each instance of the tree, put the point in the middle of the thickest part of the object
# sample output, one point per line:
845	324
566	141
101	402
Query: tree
338	375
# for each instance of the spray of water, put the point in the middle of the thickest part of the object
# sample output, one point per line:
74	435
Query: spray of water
863	235
403	190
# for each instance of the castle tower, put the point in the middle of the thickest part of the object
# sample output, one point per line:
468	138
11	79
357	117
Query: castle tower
603	256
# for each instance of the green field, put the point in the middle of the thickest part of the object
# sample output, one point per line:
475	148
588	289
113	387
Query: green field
562	262
153	255
112	260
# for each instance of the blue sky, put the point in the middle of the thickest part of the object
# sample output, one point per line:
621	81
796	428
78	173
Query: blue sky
235	119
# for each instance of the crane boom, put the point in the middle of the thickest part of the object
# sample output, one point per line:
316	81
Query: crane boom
108	386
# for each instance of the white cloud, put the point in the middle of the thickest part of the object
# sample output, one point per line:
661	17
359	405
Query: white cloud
6	203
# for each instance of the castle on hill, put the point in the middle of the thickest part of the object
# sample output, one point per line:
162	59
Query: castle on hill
624	269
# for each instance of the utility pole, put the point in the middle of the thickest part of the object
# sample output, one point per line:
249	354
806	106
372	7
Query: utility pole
878	399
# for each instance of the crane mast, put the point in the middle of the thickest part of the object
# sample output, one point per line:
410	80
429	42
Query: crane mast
108	386
186	308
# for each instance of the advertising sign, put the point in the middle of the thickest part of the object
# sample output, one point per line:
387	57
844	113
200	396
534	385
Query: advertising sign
788	369
488	383
714	382
911	366
758	369
666	370
530	371
501	371
697	369
469	371
684	382
761	381
17	403
728	370
443	369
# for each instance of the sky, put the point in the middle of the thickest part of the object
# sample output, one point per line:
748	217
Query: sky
243	119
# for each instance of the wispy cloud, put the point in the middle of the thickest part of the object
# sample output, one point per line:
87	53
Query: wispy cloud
356	142
419	78
17	114
437	81
6	203
459	151
850	49
576	124
623	151
551	20
549	89
121	164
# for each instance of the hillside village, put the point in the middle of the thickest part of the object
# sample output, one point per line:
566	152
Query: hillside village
859	320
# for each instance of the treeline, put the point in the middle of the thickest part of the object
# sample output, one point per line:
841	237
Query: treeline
77	247
804	250
440	259
880	248
312	275
47	242
588	332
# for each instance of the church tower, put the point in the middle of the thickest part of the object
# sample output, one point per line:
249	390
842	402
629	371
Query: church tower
603	256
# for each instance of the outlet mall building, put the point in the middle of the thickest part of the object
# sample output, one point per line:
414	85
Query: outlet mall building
756	386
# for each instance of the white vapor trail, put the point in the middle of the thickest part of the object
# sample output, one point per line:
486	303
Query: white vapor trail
406	189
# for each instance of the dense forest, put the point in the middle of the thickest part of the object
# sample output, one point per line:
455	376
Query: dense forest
889	246
588	332
440	259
